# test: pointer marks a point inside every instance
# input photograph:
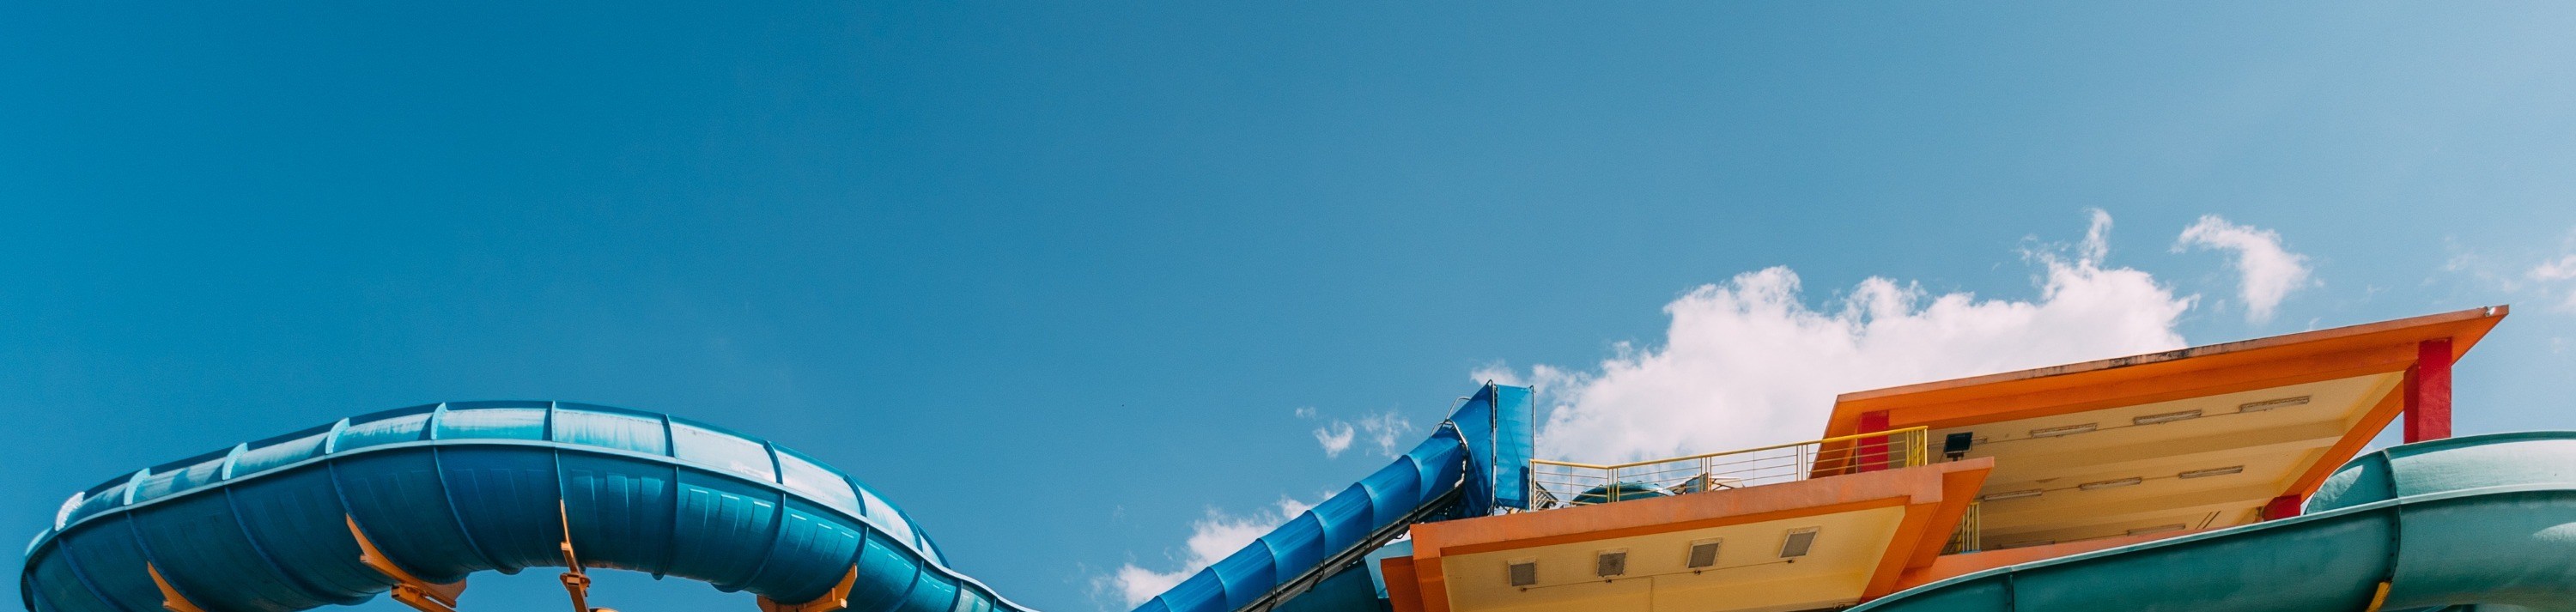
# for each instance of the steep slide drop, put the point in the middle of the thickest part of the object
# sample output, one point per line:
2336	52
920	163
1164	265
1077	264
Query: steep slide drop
1476	461
411	501
2483	522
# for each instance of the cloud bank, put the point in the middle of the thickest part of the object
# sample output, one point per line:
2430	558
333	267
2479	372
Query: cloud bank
2267	272
1748	362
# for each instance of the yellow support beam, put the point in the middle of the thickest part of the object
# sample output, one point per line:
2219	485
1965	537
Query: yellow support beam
575	583
837	599
410	590
170	598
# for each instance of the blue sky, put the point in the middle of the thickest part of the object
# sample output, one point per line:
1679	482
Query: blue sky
1059	278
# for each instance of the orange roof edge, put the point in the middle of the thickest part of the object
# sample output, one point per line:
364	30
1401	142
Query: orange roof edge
1934	496
2284	353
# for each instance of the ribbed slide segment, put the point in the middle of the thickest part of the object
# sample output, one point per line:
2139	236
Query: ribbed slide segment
446	490
1418	477
1483	446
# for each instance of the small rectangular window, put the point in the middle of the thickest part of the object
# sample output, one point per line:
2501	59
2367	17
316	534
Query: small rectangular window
1703	553
1610	563
1799	542
1522	572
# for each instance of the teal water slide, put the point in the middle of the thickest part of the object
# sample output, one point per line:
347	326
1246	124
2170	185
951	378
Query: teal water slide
411	501
2484	522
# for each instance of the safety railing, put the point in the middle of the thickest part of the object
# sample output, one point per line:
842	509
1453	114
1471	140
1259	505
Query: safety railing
1557	484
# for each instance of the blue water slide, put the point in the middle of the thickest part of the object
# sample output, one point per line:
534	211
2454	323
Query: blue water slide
1476	461
445	490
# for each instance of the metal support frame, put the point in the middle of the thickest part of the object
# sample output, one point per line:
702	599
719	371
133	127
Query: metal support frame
410	590
575	583
170	598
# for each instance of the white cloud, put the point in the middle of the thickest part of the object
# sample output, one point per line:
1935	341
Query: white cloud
1387	431
1211	539
1335	438
2563	269
2267	271
2558	271
1748	362
2544	275
2097	236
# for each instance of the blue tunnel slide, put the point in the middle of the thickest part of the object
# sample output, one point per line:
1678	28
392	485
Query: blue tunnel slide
434	493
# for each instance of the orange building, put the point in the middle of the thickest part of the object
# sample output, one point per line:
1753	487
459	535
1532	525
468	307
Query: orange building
1915	484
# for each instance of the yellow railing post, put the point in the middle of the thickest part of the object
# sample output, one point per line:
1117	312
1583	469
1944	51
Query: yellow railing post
1915	447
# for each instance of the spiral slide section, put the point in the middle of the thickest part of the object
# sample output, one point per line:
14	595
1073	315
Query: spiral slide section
413	500
2484	523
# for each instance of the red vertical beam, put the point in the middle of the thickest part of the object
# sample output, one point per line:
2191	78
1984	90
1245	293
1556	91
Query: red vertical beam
1873	450
2282	507
2428	392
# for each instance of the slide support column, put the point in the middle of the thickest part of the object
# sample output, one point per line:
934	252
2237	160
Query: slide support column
1873	450
2428	392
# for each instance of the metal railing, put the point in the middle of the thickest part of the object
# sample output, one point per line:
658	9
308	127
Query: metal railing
1556	484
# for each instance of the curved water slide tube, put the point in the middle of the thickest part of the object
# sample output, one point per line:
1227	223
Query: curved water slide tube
2487	522
411	501
432	493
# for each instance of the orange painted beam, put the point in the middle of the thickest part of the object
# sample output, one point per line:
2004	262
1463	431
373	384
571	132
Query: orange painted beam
2345	448
1924	533
1402	590
2387	346
1900	549
2135	391
1956	485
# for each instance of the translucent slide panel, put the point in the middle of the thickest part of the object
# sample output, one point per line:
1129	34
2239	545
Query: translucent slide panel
493	421
812	479
388	427
613	430
723	451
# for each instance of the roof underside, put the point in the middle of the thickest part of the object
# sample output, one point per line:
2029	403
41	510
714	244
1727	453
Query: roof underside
2189	439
